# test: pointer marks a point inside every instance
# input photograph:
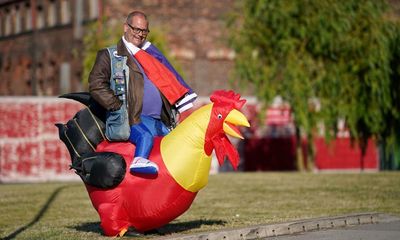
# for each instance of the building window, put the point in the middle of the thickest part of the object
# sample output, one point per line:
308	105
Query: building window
1	23
65	77
40	17
65	12
93	9
17	19
51	14
7	23
28	17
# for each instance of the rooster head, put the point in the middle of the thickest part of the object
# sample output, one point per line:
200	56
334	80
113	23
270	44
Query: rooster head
224	119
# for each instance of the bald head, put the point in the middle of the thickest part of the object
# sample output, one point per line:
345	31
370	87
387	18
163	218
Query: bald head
136	28
136	14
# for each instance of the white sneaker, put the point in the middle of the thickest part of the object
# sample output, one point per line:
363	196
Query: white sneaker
143	165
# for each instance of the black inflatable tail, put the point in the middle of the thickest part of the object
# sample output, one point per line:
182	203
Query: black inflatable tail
86	129
63	137
82	97
81	135
101	169
87	100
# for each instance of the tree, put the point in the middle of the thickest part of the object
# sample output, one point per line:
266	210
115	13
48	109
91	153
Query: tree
339	54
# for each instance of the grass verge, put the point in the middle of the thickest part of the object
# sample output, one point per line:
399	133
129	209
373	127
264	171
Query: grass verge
64	211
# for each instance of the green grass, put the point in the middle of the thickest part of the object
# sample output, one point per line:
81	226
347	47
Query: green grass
64	211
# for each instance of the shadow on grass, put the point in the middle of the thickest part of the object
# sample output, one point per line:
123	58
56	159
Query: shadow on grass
38	216
185	226
94	227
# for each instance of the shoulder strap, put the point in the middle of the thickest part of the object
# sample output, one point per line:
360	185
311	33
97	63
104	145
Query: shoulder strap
119	73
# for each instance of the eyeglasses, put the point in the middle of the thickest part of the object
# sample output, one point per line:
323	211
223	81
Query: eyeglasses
139	30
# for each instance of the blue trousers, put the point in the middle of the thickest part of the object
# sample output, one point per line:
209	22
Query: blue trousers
143	133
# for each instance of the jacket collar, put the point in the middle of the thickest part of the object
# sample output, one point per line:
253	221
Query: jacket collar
123	51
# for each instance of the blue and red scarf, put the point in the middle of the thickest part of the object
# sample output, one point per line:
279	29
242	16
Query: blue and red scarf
163	75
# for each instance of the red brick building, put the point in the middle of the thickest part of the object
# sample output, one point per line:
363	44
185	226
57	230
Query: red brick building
41	41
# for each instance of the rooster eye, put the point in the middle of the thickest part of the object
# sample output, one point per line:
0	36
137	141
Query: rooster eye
219	116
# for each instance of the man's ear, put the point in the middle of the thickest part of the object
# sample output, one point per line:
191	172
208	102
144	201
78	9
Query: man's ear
126	28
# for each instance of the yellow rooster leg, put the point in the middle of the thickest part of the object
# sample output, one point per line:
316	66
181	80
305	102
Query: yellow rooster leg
122	232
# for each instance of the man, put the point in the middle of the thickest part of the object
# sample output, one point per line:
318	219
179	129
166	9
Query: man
151	91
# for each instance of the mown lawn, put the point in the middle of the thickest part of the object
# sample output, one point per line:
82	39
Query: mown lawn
64	211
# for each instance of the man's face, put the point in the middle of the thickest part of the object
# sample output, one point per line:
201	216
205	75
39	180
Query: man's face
136	31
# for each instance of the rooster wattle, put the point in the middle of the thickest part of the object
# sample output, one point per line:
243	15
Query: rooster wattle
184	158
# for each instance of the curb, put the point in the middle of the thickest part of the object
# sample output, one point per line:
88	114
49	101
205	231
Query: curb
301	226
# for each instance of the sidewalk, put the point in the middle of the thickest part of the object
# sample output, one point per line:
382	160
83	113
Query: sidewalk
378	231
366	226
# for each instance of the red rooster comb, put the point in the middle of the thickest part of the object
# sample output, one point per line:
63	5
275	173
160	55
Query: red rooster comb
228	97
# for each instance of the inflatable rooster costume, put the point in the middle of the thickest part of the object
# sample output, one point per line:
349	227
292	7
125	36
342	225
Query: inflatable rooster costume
147	202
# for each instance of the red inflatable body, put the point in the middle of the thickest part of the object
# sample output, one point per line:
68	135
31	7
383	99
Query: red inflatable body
144	202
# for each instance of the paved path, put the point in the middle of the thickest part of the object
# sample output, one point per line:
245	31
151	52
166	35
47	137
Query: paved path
378	231
365	226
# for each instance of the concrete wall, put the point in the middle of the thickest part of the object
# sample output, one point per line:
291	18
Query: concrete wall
30	149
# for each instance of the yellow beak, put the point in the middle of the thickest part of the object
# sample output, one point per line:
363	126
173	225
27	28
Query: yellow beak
235	118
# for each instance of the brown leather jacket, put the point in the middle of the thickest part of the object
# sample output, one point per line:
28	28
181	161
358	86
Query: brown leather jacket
99	87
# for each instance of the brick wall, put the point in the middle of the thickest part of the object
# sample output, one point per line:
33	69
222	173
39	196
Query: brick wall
195	32
51	51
